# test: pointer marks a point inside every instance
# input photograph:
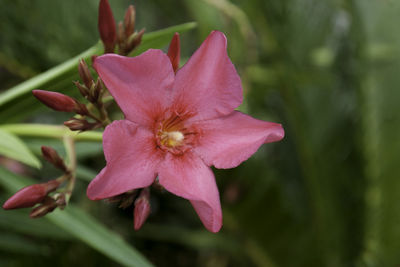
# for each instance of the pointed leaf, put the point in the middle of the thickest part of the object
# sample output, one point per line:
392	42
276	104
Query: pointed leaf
13	147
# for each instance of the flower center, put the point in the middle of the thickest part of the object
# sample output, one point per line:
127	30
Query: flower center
171	139
172	135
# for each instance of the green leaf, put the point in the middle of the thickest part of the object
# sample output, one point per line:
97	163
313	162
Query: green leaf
13	147
82	226
19	221
18	244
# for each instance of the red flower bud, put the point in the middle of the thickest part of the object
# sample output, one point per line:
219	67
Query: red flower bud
60	102
174	51
51	155
80	125
106	25
30	195
49	204
142	208
85	74
129	21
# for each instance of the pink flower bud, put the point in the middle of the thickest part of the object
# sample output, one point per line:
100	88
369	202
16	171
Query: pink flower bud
30	195
142	208
174	51
51	155
106	25
60	102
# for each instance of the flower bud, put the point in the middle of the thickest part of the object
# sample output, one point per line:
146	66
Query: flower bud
82	89
134	41
51	155
84	72
80	125
106	26
61	201
142	208
30	195
49	204
60	102
95	91
129	21
174	51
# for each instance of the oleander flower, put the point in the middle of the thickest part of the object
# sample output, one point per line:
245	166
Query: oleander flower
177	125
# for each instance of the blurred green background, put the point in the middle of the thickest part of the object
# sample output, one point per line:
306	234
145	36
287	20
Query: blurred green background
327	195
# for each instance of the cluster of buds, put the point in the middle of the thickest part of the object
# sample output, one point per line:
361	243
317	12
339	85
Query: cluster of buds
126	38
91	90
141	203
38	195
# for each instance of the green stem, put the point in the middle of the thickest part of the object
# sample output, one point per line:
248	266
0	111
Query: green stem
69	145
50	131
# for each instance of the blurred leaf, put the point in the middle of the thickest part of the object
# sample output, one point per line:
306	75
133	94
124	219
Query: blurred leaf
161	38
17	244
19	221
13	147
85	173
82	226
380	134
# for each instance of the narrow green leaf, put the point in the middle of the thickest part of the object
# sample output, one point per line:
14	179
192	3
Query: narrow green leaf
53	73
82	226
12	147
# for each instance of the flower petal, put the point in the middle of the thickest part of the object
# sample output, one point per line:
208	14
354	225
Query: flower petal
132	159
141	85
187	176
228	141
208	83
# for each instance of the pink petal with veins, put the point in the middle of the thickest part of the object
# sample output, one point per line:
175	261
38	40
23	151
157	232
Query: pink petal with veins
132	160
227	141
208	83
141	85
187	176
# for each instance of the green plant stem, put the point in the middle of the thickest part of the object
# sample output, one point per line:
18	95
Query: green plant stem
69	145
50	131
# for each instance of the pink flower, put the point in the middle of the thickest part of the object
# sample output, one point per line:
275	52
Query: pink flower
177	126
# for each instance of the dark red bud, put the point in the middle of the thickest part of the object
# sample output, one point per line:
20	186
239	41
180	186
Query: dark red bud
85	74
106	25
61	201
174	51
51	155
60	102
49	204
80	125
142	208
82	89
129	21
30	195
56	101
